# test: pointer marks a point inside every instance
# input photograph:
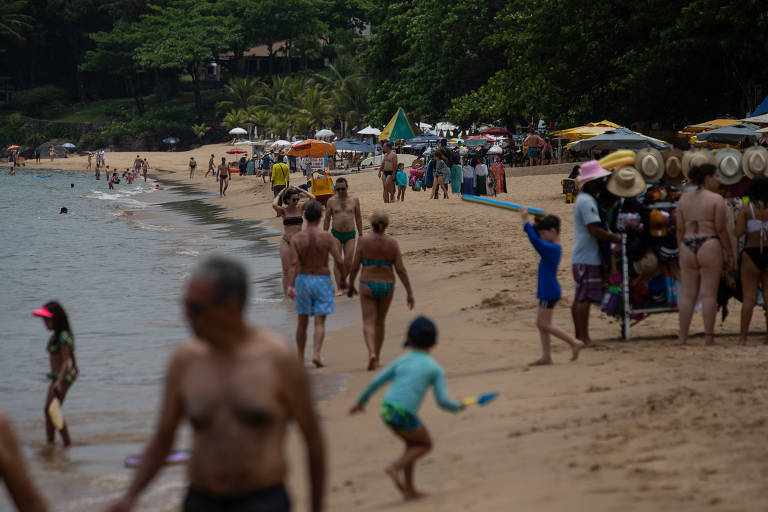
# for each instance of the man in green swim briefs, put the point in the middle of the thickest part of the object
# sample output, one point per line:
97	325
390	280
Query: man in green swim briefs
411	374
342	215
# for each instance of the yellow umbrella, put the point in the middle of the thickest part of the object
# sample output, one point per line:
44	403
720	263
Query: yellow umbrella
693	129
586	131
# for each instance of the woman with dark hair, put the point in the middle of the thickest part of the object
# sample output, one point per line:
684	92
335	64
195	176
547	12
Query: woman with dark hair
753	222
64	371
702	236
287	206
442	175
380	258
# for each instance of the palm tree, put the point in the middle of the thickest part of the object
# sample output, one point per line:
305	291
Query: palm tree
200	130
278	124
241	93
234	119
302	124
13	23
313	104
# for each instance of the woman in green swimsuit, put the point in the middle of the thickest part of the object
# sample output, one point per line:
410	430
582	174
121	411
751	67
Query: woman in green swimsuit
380	258
61	352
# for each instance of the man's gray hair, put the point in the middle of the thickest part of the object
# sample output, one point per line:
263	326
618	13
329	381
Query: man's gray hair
228	278
313	211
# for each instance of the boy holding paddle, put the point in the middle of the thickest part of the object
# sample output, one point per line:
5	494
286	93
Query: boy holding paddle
411	374
545	238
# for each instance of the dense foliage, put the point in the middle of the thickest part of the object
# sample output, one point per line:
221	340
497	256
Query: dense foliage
497	61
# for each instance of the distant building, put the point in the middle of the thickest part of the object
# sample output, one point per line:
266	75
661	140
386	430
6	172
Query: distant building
255	61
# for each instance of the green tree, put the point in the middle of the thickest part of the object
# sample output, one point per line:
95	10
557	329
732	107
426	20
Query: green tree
200	130
235	119
13	22
242	93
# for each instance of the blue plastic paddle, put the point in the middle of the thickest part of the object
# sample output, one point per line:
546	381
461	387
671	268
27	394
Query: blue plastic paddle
480	400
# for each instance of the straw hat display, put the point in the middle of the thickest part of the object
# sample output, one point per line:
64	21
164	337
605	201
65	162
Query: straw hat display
626	182
729	166
755	161
650	164
697	157
673	166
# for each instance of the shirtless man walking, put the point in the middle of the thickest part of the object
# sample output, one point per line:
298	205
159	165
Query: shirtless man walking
239	386
342	215
309	278
387	172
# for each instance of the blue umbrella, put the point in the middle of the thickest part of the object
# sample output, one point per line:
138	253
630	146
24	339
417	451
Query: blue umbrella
171	140
730	134
620	138
350	144
68	145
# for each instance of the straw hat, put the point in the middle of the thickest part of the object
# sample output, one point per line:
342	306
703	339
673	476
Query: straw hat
648	265
650	164
626	182
697	157
755	161
673	166
591	171
729	166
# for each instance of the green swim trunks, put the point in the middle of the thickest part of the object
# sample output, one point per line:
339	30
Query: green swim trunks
398	418
342	236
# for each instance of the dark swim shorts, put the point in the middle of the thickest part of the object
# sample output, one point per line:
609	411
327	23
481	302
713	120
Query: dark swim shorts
271	499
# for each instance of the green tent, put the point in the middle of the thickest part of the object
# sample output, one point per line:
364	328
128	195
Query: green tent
399	127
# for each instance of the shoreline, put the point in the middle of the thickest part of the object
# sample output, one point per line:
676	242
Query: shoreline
640	425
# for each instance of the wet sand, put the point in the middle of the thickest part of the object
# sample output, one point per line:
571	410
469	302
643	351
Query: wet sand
639	425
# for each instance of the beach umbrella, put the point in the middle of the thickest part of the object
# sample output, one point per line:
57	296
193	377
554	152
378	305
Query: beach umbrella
324	133
11	148
281	143
238	131
734	134
171	140
312	148
495	130
618	138
68	145
369	130
236	151
761	119
495	150
349	144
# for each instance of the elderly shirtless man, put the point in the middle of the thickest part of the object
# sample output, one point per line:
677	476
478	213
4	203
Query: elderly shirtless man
309	279
343	211
239	386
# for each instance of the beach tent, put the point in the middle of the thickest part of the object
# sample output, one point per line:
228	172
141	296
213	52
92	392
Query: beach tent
618	138
735	134
399	127
586	131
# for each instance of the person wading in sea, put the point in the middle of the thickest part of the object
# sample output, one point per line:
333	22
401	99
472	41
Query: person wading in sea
342	215
239	386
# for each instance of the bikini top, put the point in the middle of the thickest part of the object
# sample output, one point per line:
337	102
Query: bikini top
755	225
378	263
54	345
293	221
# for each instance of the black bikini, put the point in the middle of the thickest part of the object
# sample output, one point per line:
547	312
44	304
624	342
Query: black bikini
293	221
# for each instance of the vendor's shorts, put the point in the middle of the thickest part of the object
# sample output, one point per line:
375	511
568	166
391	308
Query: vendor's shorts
588	282
533	152
314	295
547	303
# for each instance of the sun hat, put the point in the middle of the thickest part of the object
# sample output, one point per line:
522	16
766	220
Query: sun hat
648	266
591	171
697	157
673	166
626	182
729	166
43	312
755	161
650	164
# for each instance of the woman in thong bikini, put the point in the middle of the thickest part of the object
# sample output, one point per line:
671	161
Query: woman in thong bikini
701	230
61	353
753	222
380	258
287	206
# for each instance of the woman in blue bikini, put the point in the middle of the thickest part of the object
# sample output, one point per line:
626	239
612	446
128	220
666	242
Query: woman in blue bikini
380	257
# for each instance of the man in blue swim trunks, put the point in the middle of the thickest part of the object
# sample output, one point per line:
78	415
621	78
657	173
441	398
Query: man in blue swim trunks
309	278
342	215
533	142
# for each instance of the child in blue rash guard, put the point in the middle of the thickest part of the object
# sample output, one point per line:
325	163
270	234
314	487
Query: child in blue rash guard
545	238
411	374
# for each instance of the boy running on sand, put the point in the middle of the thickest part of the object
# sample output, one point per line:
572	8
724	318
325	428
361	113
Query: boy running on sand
545	238
411	375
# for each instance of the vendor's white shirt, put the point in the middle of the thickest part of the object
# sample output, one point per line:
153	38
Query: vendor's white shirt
481	170
467	171
585	249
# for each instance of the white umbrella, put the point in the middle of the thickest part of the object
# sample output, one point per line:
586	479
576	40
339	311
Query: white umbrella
237	131
369	130
495	150
248	143
446	127
324	133
281	143
425	127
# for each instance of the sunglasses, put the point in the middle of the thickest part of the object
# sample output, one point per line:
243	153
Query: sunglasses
342	189
295	200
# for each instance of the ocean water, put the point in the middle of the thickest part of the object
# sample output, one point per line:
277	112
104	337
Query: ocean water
117	262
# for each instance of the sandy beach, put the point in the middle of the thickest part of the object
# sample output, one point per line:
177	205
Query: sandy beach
632	425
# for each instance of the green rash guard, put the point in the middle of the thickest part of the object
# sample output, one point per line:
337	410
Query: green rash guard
411	375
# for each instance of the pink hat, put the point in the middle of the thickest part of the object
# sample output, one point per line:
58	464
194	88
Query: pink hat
42	312
592	171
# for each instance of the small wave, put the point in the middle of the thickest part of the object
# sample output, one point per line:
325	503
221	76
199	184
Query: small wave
153	227
262	300
186	252
117	197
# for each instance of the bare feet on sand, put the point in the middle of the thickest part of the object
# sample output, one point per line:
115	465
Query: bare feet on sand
342	291
576	348
542	362
372	363
681	342
414	495
709	339
392	472
317	362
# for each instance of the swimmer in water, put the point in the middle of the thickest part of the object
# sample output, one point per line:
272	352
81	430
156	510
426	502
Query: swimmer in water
240	387
63	210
